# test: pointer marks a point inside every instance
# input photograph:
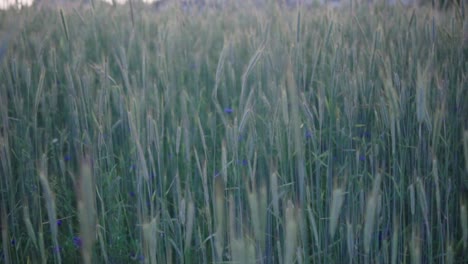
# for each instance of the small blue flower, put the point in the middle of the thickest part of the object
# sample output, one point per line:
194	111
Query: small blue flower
308	134
67	158
13	242
243	162
33	187
132	194
134	256
365	135
362	157
228	110
59	222
77	242
382	236
57	249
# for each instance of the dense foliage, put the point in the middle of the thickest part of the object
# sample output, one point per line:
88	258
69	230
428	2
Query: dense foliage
238	135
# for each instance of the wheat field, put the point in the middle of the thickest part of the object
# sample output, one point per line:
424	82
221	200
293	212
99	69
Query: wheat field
253	134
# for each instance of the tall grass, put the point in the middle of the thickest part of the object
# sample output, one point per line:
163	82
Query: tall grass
236	135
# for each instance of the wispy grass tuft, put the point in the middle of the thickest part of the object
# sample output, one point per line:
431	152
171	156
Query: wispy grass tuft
87	210
371	213
291	230
51	207
464	223
338	196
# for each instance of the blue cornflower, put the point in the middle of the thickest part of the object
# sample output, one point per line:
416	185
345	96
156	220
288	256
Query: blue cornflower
77	242
134	256
228	110
365	134
243	162
57	249
59	222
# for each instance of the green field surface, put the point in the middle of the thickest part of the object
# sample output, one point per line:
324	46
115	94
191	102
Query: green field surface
234	134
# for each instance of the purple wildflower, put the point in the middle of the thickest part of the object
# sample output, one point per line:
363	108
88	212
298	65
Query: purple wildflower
134	256
77	242
228	110
243	162
57	249
366	135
